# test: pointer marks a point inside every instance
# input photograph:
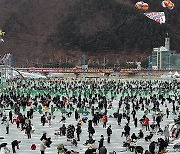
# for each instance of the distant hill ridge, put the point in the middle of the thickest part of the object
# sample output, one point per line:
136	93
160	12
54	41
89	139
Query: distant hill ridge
40	31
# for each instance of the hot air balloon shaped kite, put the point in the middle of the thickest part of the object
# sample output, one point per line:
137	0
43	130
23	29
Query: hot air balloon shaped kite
142	6
168	4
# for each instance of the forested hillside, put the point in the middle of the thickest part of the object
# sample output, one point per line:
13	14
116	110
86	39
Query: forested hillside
40	31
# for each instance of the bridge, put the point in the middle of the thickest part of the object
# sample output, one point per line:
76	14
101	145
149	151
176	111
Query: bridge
91	70
78	70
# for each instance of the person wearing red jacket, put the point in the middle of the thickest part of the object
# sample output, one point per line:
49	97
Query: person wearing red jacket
17	122
146	122
104	120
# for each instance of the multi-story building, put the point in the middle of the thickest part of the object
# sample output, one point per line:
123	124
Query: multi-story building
164	58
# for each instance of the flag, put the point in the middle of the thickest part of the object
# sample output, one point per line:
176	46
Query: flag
159	17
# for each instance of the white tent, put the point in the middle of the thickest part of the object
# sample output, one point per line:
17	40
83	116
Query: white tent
176	75
170	73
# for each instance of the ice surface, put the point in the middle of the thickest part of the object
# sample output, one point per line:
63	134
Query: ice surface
116	139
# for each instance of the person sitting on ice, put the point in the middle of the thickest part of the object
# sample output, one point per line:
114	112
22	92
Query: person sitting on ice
103	150
134	137
61	149
89	141
90	149
4	149
140	134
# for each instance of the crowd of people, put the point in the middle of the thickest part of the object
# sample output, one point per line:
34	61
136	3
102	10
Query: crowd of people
92	102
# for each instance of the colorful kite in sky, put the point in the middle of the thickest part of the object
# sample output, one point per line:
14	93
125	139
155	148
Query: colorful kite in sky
159	17
141	6
168	4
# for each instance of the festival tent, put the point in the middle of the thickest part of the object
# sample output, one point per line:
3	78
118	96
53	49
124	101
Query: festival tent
176	75
170	73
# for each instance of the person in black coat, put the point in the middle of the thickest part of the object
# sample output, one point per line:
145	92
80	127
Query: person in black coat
78	132
152	147
89	123
76	115
95	120
91	131
89	141
31	113
101	142
103	150
14	144
134	137
135	121
140	134
28	131
134	113
10	116
119	119
48	142
158	120
63	130
109	132
23	118
127	130
162	145
167	113
43	120
43	137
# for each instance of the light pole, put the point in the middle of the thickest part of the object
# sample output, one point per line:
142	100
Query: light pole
83	65
149	67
